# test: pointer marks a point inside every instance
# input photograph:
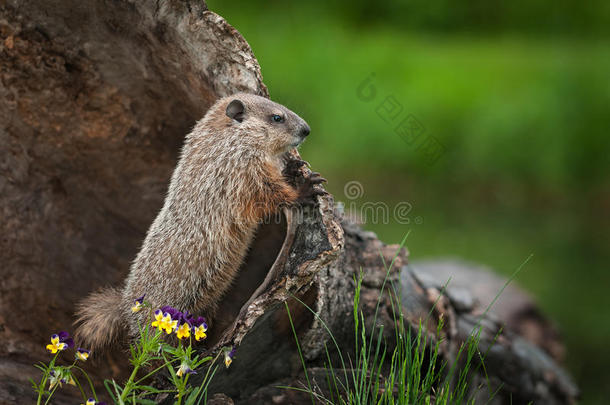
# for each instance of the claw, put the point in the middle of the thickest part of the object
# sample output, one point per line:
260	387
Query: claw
315	178
317	191
307	191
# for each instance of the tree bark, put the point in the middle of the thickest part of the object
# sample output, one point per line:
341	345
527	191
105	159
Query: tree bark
96	98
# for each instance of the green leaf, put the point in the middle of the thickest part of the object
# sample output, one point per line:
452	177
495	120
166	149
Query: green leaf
145	401
107	384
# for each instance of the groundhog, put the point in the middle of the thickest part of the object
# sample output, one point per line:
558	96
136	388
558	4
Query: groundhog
231	174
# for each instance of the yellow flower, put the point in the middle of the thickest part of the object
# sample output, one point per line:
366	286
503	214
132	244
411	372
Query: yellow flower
82	354
138	304
136	307
183	331
161	319
170	325
200	332
56	345
158	319
229	354
164	322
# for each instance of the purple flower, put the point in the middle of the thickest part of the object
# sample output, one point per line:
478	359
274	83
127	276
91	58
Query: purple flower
186	318
64	337
200	320
173	312
60	341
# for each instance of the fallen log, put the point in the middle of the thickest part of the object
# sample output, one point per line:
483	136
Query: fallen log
96	98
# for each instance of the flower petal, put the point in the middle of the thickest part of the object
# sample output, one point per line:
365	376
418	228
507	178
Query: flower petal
63	335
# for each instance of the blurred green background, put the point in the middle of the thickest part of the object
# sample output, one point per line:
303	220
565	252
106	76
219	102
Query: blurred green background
514	96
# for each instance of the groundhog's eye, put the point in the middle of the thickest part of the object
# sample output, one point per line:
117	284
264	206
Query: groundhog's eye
277	118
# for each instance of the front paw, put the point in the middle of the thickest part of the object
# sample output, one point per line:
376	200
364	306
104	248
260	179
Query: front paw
292	170
309	189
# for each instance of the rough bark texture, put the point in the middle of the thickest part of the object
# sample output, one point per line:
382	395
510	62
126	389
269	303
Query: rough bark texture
95	99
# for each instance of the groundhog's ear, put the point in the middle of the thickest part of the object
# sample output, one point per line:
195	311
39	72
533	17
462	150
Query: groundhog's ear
236	110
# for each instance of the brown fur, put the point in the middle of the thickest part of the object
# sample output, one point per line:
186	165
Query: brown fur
99	312
228	179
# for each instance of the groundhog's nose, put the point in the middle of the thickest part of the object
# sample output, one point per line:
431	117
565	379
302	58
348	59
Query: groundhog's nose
304	131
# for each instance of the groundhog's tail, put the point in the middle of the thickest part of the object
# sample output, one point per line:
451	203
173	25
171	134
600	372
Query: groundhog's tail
100	319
